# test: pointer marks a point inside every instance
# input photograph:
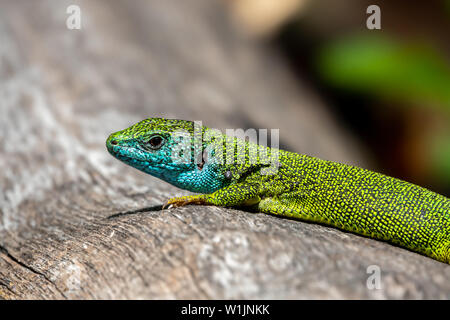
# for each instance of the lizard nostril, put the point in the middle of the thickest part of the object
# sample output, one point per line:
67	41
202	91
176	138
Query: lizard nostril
114	142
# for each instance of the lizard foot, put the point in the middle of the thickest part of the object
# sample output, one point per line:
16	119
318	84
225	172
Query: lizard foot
182	201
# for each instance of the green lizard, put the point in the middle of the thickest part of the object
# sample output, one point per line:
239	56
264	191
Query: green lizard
295	185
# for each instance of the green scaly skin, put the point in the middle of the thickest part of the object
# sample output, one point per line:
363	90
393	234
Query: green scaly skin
302	187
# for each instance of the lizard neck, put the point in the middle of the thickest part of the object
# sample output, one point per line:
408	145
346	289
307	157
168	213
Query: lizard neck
205	180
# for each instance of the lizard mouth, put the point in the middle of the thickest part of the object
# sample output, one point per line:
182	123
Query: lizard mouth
136	157
126	153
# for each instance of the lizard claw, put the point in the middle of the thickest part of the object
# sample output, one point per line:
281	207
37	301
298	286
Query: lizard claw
182	201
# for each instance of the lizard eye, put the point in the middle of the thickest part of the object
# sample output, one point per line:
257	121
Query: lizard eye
155	142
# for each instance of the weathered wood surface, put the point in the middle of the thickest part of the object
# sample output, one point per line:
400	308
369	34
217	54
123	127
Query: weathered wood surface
64	231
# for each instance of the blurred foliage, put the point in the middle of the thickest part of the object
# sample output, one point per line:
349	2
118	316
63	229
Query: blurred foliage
440	150
447	5
415	76
386	68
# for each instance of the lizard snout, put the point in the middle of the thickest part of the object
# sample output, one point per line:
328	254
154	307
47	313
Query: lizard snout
111	142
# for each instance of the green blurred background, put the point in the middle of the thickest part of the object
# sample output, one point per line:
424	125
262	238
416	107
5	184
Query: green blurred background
389	87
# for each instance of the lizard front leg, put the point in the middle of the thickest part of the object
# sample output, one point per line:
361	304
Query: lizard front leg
237	194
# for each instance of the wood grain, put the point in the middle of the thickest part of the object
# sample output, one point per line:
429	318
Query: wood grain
77	224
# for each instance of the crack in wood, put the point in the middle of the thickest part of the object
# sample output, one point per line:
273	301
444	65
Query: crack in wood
29	268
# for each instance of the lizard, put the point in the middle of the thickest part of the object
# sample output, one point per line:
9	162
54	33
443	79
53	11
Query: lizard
224	171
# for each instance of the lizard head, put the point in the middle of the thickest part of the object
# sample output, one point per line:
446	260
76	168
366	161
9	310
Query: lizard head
164	148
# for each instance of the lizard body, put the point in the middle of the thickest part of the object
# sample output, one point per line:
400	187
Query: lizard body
301	187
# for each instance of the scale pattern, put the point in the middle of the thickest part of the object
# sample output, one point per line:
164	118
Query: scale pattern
302	187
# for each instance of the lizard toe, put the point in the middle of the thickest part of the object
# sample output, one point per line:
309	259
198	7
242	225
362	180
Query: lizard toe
182	201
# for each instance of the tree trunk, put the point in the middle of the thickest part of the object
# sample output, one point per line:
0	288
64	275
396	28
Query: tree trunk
76	223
